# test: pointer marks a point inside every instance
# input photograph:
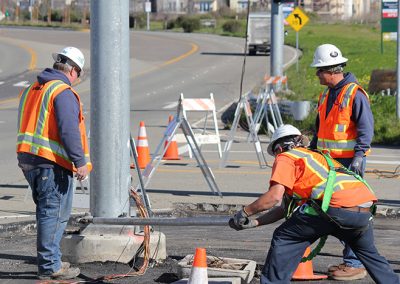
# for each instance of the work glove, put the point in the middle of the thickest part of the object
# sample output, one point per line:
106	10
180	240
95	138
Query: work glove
241	221
356	165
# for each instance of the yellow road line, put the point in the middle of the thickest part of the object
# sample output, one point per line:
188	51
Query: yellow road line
32	64
173	60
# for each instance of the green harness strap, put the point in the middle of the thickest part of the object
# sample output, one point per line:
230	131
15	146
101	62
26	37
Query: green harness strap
325	205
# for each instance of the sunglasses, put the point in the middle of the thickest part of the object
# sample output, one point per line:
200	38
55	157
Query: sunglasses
78	72
322	70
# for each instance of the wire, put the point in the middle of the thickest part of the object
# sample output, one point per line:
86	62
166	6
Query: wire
245	52
386	174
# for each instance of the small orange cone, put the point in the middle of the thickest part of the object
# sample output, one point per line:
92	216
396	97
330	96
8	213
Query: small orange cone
198	274
305	270
142	147
172	151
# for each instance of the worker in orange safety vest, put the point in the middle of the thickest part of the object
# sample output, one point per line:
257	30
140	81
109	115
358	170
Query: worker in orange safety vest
331	200
344	127
52	147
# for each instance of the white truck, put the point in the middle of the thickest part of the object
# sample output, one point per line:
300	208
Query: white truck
259	32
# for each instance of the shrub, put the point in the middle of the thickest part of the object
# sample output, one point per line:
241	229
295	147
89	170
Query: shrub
170	24
190	24
231	26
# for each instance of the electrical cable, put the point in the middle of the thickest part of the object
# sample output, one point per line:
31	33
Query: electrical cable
386	174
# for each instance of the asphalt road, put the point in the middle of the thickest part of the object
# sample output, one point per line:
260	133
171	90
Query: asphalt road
163	65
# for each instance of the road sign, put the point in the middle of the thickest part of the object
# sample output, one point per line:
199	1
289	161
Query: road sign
389	20
297	19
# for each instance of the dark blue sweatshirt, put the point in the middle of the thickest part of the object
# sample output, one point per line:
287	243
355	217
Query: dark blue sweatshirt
66	108
361	115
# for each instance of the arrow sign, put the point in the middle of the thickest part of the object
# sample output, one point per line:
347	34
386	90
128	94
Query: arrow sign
297	19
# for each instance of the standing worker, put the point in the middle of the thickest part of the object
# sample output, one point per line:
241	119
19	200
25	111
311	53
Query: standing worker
51	146
345	127
332	202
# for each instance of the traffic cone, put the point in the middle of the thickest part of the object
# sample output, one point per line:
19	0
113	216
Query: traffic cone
198	274
172	151
142	147
305	270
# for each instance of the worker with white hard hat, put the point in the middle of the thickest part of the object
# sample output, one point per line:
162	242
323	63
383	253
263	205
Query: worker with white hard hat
344	127
319	197
52	147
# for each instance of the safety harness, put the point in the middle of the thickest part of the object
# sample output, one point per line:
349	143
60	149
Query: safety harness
317	208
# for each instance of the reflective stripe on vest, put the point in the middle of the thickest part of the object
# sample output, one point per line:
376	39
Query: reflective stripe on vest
321	171
36	140
337	132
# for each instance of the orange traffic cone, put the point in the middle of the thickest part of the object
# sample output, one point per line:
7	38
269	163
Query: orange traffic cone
172	151
198	274
305	270
142	147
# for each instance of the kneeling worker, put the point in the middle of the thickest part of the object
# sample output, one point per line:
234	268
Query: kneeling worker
332	201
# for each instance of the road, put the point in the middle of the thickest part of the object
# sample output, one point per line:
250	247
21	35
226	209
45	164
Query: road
17	257
163	65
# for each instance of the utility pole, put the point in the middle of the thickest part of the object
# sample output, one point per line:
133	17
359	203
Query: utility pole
110	108
277	34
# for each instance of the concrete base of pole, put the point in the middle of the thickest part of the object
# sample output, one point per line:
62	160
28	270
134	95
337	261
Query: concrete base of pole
110	243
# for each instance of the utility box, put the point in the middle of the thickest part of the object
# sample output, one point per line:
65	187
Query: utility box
259	33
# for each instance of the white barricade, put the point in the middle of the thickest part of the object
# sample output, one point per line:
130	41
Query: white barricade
207	106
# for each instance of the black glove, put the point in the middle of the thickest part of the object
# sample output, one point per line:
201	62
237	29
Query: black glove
356	165
241	221
248	225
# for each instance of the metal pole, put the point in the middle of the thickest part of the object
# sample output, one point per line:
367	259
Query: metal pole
276	39
297	50
148	20
110	106
186	221
398	63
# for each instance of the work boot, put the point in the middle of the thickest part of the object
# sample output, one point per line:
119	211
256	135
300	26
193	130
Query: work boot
65	265
346	273
62	274
332	268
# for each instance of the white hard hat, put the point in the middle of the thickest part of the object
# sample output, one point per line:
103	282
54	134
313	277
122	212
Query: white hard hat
327	55
280	132
73	54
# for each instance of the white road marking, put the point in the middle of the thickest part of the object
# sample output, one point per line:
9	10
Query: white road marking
1	82
22	84
382	162
171	105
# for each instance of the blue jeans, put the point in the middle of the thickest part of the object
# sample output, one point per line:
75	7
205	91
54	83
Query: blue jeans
52	192
349	258
291	239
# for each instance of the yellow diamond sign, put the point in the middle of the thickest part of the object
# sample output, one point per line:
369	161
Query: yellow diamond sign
297	19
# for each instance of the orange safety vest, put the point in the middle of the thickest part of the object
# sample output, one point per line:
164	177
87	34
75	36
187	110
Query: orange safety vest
312	177
337	133
38	132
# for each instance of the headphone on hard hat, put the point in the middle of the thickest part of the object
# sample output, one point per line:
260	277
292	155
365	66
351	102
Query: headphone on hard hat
287	143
